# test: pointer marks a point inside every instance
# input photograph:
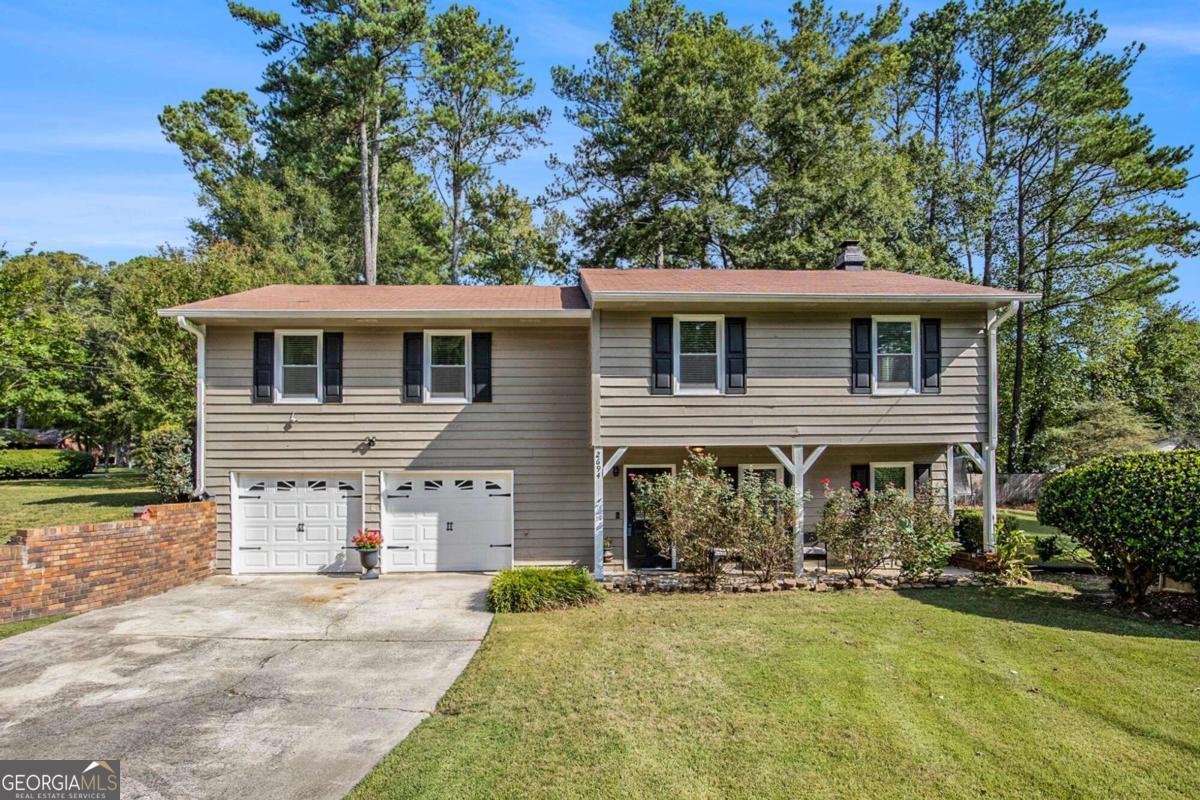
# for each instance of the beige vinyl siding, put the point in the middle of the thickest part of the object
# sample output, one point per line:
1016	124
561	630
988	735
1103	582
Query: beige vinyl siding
834	464
536	426
798	379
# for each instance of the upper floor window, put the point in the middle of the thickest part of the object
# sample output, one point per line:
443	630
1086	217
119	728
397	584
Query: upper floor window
894	349
298	360
447	366
699	367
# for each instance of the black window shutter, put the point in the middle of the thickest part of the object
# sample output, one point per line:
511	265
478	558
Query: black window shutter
264	367
931	356
481	367
332	358
735	355
662	355
414	367
860	356
922	474
861	474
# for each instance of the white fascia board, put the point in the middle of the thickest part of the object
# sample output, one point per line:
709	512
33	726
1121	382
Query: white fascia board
794	297
317	313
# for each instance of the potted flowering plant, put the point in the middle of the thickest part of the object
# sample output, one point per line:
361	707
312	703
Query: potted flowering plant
367	543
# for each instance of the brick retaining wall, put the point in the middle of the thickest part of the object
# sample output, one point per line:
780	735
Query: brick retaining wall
75	568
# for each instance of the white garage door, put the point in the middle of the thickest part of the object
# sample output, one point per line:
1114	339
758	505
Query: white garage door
447	521
296	523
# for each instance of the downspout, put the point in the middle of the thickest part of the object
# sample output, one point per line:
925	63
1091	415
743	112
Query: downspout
199	332
994	321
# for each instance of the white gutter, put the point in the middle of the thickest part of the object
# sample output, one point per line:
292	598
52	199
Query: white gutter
199	332
994	320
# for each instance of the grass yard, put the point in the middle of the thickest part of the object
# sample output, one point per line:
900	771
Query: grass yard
8	629
938	693
68	501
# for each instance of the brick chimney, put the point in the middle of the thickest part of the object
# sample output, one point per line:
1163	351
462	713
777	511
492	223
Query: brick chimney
850	256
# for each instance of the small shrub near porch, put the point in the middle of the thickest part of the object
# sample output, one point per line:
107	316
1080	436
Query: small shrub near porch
542	588
700	516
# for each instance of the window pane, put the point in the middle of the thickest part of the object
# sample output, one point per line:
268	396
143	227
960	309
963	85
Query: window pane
299	381
447	381
698	372
893	337
698	336
895	372
300	350
893	475
448	350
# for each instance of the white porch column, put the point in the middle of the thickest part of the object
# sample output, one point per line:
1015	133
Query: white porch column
989	498
598	513
798	470
950	479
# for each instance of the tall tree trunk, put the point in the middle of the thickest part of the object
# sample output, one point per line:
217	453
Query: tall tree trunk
375	196
364	157
1014	421
456	212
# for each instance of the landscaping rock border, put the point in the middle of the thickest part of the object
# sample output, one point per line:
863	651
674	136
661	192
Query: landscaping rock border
667	584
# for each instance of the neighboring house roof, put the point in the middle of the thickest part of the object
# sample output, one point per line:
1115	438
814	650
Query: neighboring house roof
770	284
408	301
742	285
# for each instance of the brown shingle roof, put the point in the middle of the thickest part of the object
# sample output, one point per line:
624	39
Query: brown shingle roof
824	283
289	298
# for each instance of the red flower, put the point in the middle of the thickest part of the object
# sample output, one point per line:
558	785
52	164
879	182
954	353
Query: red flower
856	485
367	540
825	481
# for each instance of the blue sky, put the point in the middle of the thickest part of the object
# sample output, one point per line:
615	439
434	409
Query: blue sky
83	166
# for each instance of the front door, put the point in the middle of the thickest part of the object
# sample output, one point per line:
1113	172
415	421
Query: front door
641	554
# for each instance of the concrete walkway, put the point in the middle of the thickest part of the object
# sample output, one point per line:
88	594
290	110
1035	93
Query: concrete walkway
271	687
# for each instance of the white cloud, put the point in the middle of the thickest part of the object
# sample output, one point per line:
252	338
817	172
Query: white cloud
1182	38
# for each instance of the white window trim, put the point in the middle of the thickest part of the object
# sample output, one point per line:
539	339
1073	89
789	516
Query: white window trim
745	469
677	347
908	473
468	383
914	326
277	393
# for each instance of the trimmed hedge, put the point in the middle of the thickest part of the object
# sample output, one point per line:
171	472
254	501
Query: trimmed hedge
22	464
1138	514
968	526
541	588
167	453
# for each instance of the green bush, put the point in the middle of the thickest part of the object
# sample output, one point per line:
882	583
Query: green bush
925	539
1048	548
1012	548
542	588
968	526
20	464
1138	514
166	453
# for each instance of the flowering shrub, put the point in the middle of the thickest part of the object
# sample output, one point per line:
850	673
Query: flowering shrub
763	513
691	512
924	535
857	526
367	540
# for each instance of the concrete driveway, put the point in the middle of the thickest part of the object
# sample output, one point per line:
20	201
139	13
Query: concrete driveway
273	687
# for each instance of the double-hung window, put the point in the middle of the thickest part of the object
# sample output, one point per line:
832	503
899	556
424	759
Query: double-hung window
298	366
894	349
447	366
898	475
699	354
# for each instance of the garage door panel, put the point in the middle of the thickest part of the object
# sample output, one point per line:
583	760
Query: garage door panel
447	522
292	524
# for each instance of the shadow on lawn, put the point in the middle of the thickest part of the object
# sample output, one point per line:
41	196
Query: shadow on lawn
1079	612
105	500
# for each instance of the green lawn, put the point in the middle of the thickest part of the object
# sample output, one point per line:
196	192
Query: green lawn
8	629
1029	520
67	501
939	693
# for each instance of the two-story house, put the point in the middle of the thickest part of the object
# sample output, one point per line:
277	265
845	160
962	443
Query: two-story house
483	426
